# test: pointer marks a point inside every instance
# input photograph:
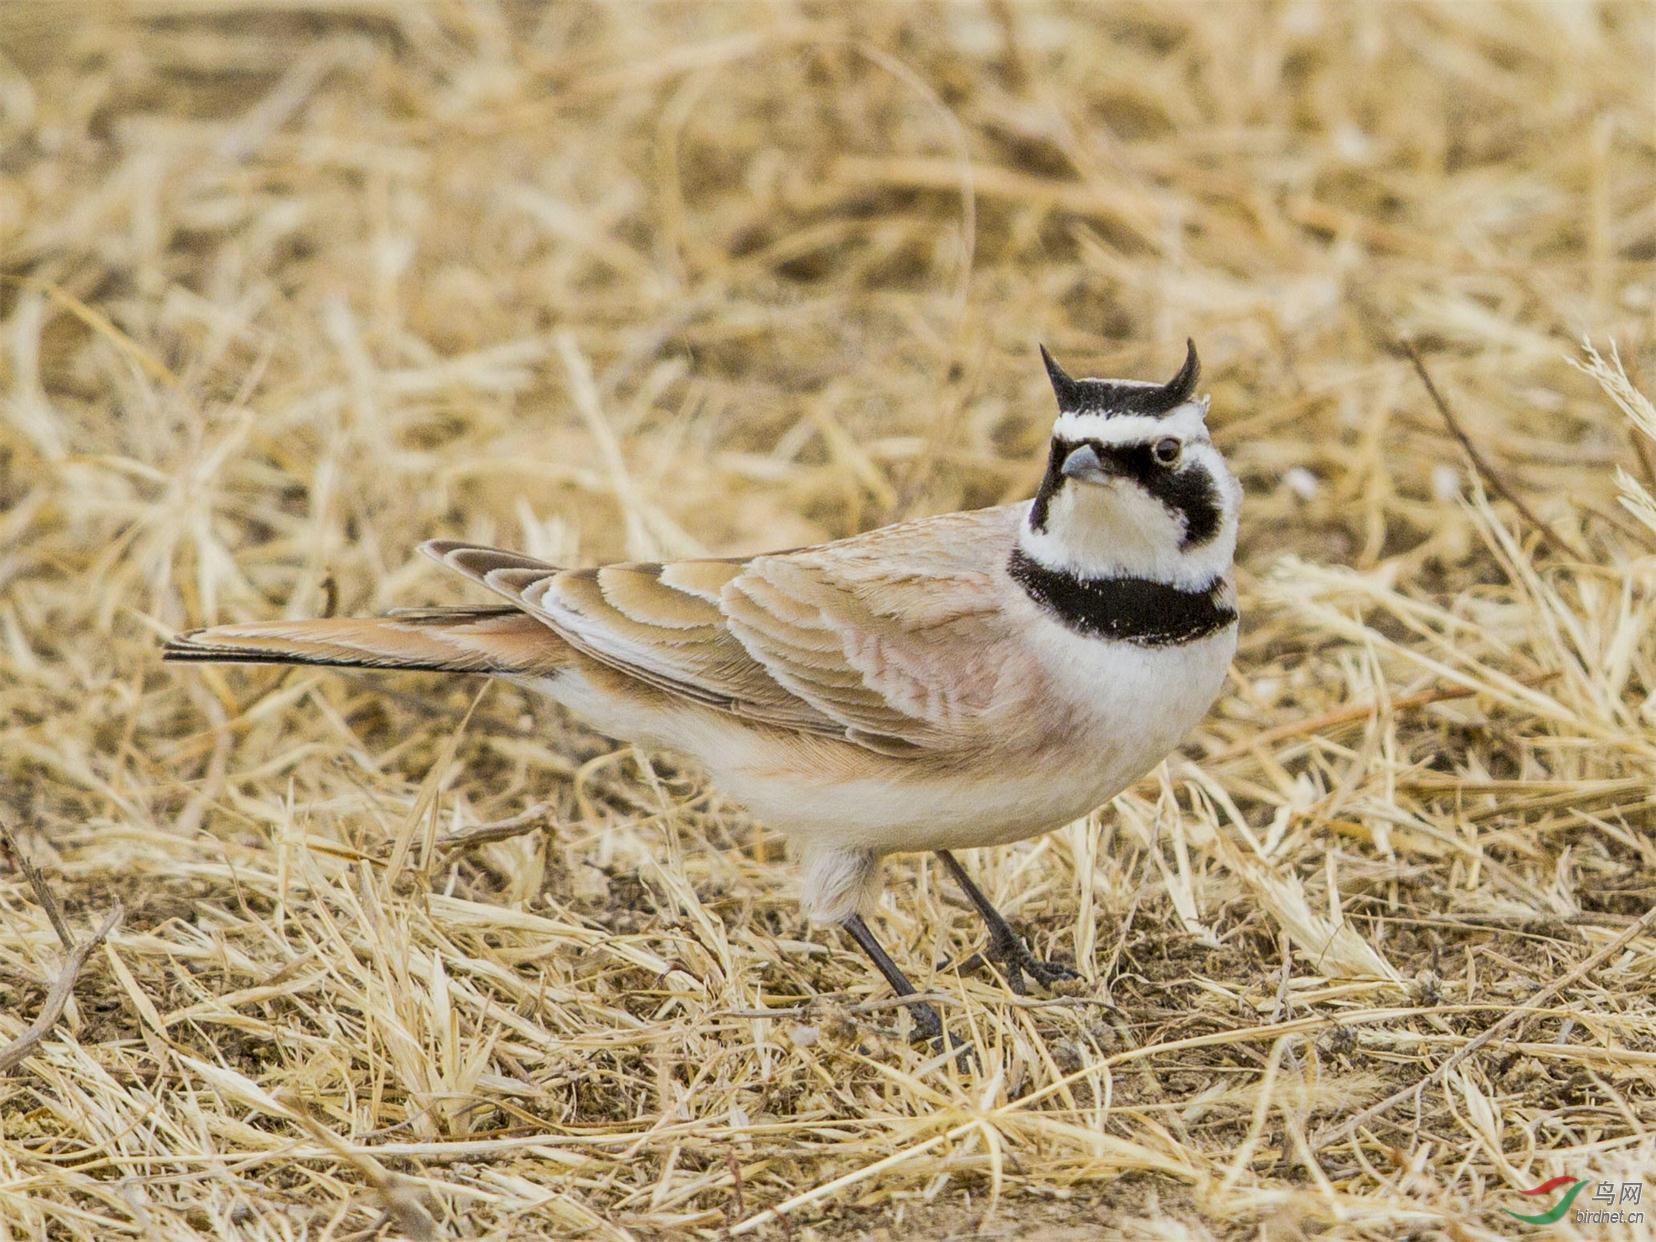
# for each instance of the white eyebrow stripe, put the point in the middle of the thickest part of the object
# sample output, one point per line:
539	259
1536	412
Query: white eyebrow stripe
1186	422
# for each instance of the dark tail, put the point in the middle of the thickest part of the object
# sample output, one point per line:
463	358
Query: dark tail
444	640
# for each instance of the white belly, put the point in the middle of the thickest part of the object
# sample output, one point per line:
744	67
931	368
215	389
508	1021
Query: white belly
1127	708
1137	704
1124	708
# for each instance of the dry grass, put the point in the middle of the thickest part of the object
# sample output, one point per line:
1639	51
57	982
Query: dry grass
293	285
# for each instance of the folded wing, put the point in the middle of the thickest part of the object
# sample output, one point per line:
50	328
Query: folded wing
894	640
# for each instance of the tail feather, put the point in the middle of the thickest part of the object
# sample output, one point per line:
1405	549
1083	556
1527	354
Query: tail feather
443	640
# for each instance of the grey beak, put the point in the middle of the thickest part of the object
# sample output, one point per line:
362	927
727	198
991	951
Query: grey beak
1083	463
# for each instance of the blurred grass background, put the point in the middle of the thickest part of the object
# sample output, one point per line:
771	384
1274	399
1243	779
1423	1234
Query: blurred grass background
288	287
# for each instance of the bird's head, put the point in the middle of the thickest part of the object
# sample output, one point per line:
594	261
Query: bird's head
1134	486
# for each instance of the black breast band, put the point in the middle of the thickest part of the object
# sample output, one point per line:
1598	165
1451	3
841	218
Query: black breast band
1129	610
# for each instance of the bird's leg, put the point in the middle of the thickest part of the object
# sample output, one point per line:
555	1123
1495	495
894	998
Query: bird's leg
926	1022
1006	948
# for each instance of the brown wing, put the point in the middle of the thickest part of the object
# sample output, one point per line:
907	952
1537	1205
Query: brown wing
889	639
662	624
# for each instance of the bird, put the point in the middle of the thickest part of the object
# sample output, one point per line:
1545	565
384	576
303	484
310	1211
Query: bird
955	681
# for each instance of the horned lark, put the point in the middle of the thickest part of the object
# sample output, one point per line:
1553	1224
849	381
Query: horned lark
947	683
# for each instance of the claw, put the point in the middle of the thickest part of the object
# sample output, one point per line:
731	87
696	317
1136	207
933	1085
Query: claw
927	1028
1012	955
1006	948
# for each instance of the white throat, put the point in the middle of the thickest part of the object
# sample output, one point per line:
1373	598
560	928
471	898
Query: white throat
1116	528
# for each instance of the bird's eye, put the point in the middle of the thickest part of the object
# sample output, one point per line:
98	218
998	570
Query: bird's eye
1166	452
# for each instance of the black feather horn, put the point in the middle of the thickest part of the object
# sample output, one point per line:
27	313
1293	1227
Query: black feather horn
1157	399
1179	389
1064	388
1109	397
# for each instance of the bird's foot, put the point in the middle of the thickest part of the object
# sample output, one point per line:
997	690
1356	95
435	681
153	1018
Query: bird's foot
927	1028
1018	964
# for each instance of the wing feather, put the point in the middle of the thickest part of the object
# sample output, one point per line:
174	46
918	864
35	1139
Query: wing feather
892	640
703	579
638	592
